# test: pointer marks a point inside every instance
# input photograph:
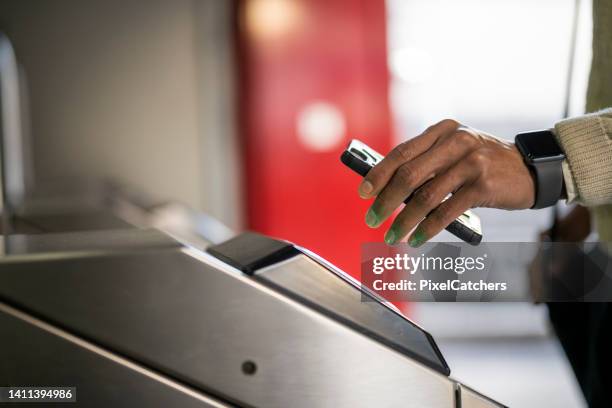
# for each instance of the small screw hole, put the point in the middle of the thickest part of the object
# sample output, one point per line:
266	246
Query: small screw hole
249	367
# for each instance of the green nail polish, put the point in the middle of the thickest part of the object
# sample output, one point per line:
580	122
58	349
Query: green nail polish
371	219
417	238
390	237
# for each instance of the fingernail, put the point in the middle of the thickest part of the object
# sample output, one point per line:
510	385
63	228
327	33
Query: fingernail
390	237
365	189
417	238
371	218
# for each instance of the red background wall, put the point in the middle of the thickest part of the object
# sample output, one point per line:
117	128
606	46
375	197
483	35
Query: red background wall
330	50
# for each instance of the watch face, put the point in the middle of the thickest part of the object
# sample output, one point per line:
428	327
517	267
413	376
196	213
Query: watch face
539	146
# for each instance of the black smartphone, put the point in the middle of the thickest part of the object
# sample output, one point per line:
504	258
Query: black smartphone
361	158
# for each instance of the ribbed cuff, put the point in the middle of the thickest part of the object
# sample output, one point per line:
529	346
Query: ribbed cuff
570	185
588	170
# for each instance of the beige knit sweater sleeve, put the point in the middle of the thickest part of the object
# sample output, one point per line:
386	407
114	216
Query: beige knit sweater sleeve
587	142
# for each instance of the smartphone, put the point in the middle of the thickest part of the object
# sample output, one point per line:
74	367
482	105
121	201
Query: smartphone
361	158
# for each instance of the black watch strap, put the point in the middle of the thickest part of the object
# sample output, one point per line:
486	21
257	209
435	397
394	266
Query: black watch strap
544	156
549	183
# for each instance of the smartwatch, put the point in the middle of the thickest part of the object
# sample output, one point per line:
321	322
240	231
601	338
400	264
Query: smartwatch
544	157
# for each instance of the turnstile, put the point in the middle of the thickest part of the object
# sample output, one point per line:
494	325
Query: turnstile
134	317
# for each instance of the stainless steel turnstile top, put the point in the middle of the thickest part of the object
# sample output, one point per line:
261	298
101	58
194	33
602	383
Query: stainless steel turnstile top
289	333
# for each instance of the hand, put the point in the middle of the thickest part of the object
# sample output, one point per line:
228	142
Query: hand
574	227
478	169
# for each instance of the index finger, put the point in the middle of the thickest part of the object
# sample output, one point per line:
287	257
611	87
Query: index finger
379	176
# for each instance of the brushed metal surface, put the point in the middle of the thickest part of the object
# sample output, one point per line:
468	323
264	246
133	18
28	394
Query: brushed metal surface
86	220
90	241
472	399
35	353
187	314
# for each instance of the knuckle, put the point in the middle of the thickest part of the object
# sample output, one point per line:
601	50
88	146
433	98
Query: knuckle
403	151
449	122
441	216
464	137
444	123
406	176
425	197
479	159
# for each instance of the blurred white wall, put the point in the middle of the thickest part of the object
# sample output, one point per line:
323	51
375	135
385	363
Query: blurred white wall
136	91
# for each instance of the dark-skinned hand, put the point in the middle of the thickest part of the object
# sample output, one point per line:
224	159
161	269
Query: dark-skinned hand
478	169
